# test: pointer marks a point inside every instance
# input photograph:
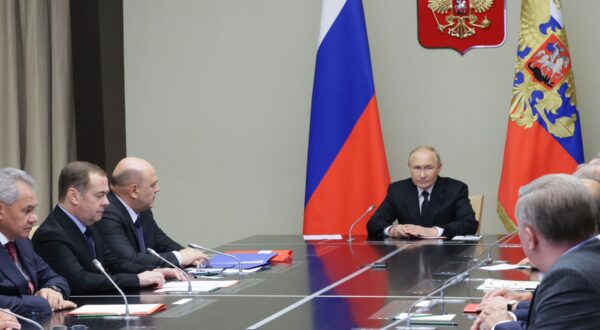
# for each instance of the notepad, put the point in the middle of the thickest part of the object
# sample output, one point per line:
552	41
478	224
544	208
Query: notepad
113	310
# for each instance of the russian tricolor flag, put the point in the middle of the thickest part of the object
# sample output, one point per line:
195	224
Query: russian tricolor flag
347	169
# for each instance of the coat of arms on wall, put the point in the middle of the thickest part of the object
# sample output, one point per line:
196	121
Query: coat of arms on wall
461	24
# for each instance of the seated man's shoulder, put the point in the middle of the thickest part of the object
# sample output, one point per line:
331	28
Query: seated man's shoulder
451	181
401	184
49	231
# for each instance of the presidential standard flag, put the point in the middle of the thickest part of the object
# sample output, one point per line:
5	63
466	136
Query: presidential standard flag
347	169
544	131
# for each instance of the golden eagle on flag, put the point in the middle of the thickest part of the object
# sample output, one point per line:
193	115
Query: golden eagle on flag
544	132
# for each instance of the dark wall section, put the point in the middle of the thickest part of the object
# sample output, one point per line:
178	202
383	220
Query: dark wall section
97	38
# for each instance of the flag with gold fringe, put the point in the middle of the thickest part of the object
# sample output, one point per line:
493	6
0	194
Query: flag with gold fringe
544	131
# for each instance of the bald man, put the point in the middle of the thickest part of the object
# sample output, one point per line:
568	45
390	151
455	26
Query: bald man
128	225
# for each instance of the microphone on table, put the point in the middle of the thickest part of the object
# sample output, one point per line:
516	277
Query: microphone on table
239	262
22	318
449	282
350	239
498	242
98	266
154	253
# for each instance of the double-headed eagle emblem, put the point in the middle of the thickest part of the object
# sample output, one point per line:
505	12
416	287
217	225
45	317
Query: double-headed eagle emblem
459	17
544	82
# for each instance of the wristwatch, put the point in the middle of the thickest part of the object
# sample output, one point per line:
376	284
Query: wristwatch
511	305
57	289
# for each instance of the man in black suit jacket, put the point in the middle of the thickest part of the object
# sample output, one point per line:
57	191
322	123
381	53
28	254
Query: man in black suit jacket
69	243
43	290
128	225
557	223
426	205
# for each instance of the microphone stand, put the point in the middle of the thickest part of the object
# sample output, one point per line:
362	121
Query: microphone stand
22	318
497	243
198	247
154	253
449	282
350	239
127	316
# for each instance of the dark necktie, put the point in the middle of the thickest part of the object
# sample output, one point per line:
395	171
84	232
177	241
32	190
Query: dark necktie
90	239
425	203
12	252
139	232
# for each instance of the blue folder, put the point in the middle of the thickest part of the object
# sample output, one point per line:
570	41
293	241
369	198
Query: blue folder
249	260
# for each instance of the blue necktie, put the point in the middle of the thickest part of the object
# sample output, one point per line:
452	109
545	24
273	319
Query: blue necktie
139	232
90	239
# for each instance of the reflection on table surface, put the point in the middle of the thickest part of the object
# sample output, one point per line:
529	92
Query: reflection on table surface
327	285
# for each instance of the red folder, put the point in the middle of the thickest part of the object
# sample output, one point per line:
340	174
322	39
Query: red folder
282	255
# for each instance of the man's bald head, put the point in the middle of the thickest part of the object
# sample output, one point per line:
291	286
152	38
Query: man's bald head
589	171
135	181
130	170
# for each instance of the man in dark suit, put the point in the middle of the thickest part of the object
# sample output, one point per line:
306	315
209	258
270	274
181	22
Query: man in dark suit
27	284
426	205
557	223
69	243
128	224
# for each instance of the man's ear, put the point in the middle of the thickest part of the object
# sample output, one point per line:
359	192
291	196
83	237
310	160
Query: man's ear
2	210
132	189
73	196
530	236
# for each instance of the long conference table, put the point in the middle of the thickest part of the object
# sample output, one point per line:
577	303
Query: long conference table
328	284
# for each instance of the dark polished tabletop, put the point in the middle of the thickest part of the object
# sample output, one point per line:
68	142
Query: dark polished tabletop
329	284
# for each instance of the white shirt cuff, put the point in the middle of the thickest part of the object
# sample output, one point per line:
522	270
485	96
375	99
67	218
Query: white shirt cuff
440	231
178	256
386	231
514	318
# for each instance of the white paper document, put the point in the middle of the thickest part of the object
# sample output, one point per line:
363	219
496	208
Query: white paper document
119	309
505	267
197	286
321	237
492	284
466	238
426	317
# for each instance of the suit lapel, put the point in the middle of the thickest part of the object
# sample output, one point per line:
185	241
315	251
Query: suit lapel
125	215
26	259
12	273
531	312
412	203
435	201
77	238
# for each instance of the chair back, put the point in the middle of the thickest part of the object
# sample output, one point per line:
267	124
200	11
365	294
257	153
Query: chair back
477	205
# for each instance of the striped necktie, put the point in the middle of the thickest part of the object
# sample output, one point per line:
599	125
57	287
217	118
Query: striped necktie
11	248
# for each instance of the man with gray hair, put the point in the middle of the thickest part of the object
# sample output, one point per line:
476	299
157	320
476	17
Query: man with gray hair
557	223
27	283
